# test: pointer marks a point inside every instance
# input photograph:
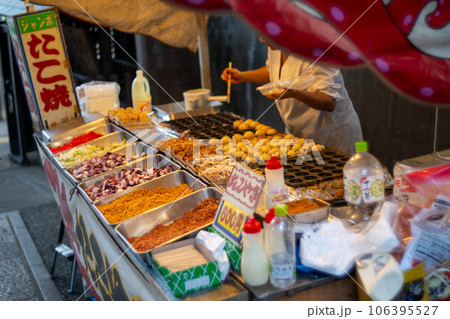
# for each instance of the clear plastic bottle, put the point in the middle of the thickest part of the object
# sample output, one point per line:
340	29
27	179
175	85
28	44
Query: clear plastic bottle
282	249
275	188
363	183
140	93
254	264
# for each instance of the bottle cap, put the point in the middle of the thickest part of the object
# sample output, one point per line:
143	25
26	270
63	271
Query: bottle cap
139	73
280	210
273	163
270	215
252	226
361	146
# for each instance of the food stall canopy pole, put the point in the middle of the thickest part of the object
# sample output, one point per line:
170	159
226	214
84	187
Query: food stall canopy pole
203	51
435	152
405	43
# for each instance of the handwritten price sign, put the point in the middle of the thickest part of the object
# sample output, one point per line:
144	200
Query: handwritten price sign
239	201
244	189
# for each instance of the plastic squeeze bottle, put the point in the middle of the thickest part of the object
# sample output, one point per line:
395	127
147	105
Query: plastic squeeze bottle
363	183
275	188
254	264
282	249
267	219
140	93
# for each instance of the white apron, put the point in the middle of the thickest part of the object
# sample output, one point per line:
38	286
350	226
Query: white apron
339	129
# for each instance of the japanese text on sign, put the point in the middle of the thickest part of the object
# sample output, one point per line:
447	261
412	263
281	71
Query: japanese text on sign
230	221
245	187
46	67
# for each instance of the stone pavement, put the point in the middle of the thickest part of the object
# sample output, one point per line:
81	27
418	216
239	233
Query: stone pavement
29	225
23	276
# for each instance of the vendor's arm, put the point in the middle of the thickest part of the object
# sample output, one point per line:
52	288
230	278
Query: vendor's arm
316	100
260	75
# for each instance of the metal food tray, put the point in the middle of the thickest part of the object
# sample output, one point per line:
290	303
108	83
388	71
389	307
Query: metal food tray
127	150
109	139
170	180
157	161
143	223
314	215
209	126
72	126
68	136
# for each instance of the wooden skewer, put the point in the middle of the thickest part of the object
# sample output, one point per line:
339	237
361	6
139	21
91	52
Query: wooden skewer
229	84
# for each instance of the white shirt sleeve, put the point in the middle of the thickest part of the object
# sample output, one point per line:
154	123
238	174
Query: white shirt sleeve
328	81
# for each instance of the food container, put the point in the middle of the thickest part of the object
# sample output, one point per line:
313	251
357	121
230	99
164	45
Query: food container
309	216
143	223
129	150
106	140
157	161
67	137
170	180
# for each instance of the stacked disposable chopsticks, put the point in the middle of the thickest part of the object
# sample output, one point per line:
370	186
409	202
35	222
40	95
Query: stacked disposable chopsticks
180	258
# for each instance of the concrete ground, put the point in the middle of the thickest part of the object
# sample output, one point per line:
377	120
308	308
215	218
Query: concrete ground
29	225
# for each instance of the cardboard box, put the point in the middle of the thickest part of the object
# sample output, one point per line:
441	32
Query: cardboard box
191	279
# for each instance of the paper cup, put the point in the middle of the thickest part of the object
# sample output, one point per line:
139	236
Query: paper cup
195	98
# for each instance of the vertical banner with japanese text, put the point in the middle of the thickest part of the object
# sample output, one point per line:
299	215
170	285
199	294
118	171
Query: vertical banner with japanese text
44	67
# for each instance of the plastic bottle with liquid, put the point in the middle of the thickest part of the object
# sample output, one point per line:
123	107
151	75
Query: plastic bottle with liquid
267	219
363	183
282	249
275	188
254	264
140	93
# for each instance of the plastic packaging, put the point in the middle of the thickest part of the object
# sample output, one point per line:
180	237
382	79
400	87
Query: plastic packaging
380	276
282	249
98	97
140	93
363	183
216	245
334	247
279	86
254	265
275	188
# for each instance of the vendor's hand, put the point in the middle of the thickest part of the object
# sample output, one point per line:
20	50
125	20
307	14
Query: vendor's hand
281	94
236	75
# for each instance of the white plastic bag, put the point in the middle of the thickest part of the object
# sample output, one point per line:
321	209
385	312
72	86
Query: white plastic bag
334	248
216	245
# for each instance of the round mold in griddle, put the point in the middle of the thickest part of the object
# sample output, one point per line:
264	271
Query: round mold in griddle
316	171
337	171
301	174
310	177
333	162
296	181
324	174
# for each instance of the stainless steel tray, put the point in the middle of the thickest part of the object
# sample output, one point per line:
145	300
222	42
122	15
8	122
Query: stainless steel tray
68	136
109	139
128	150
143	223
167	181
84	122
157	161
314	215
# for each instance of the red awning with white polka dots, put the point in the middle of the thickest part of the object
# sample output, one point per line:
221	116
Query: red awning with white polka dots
405	42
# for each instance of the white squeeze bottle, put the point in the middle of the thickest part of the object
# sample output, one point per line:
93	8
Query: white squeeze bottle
254	264
282	248
140	93
363	183
275	188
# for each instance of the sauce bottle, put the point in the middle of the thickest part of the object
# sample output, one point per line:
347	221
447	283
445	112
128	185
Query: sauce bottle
254	264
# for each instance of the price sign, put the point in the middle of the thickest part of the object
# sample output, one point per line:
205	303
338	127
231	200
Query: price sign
239	201
44	67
